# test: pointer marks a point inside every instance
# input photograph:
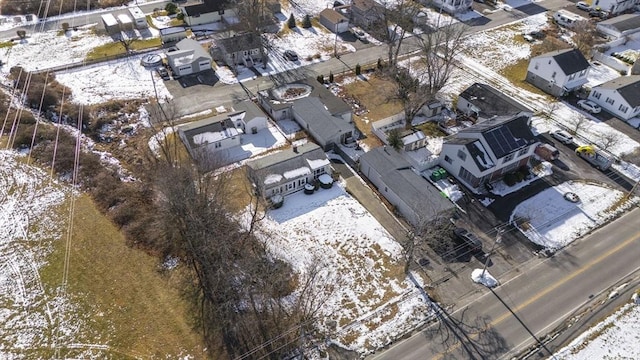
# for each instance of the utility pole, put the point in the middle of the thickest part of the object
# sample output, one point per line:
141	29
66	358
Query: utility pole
497	241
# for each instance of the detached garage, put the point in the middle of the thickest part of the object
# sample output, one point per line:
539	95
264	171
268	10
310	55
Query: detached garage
190	58
334	21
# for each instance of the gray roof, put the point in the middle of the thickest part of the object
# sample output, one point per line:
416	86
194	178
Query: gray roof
239	42
333	16
334	104
396	172
324	125
274	161
250	108
214	124
172	30
491	101
190	44
208	6
570	61
627	86
623	22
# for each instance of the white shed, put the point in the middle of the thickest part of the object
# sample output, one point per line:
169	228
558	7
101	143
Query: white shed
139	19
125	22
110	24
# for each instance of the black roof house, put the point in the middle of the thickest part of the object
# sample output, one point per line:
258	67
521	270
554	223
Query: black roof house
205	7
570	61
491	102
627	86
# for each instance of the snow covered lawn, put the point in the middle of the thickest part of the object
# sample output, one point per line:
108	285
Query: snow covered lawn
548	219
31	315
117	79
368	296
616	337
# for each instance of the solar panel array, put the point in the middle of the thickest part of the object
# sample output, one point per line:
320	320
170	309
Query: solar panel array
502	141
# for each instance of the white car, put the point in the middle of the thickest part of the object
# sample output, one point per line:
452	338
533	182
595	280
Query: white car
589	106
562	136
359	34
583	6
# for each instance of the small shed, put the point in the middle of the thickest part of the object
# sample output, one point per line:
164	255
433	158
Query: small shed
619	26
173	34
334	21
110	24
125	21
139	19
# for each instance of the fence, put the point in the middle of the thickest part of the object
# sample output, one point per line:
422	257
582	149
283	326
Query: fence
380	127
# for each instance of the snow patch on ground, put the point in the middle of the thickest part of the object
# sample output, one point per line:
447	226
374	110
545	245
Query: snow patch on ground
32	316
614	338
117	79
483	277
549	220
502	189
370	298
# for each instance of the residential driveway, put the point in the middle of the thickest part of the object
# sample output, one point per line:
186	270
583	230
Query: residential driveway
609	119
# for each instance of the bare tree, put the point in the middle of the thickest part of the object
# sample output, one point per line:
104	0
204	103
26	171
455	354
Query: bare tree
394	21
584	37
608	139
578	123
417	87
254	16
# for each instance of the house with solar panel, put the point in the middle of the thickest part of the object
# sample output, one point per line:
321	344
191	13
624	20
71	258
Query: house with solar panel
558	72
485	152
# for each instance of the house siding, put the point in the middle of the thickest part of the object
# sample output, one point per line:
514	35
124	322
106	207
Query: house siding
543	77
600	96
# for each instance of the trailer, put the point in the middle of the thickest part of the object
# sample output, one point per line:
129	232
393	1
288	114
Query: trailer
596	157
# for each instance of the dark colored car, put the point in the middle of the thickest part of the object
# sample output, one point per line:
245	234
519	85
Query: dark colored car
290	55
469	239
164	74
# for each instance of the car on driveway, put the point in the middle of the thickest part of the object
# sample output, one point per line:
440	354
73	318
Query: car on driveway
589	106
359	34
562	136
290	55
583	6
164	74
469	238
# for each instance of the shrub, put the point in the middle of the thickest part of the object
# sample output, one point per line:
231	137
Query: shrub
320	79
358	69
171	8
291	23
21	34
65	26
519	176
331	77
306	23
510	179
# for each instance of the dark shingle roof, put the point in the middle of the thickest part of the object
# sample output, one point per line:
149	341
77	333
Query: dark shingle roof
505	134
172	30
570	61
422	197
239	42
627	86
273	163
491	101
323	124
623	22
208	6
221	124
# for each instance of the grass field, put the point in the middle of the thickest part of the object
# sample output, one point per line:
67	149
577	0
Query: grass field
126	302
116	48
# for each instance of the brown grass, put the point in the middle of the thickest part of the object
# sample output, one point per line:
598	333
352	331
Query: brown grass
240	187
374	95
124	300
516	73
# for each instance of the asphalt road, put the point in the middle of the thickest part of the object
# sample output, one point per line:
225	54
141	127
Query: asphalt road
542	296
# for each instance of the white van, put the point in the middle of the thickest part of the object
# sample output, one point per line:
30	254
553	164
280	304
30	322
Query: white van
566	18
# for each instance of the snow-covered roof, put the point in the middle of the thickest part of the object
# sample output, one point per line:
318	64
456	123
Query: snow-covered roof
272	179
188	51
416	136
295	173
316	164
124	19
210	130
109	19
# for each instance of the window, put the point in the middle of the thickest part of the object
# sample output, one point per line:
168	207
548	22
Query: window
583	72
553	76
572	76
596	95
448	159
610	101
536	66
523	151
623	108
468	177
221	12
217	145
507	158
462	155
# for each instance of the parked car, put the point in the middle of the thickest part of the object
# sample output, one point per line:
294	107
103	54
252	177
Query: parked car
358	33
290	55
589	106
164	74
469	239
547	152
583	6
598	13
562	136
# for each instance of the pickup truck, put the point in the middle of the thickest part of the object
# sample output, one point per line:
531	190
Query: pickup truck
595	157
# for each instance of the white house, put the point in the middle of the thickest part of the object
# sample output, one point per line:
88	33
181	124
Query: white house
223	131
334	21
558	72
619	26
139	19
173	34
620	96
486	151
111	25
288	171
125	21
417	200
451	6
614	6
239	49
190	58
205	12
